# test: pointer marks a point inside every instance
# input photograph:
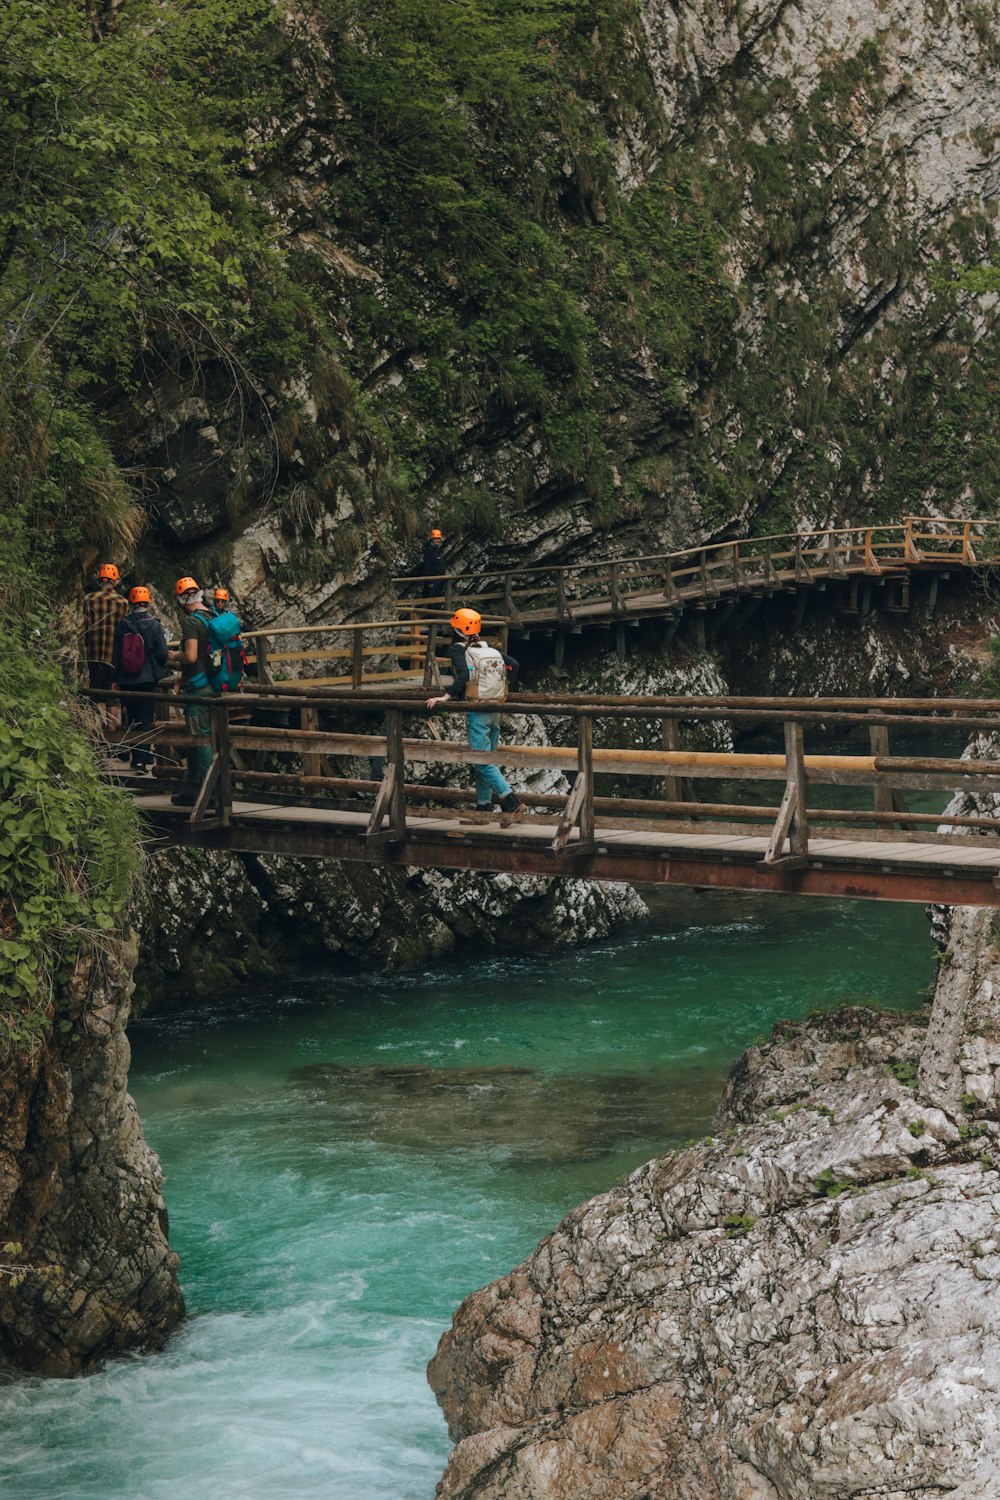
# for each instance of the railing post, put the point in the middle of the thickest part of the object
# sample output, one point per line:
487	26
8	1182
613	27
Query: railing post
585	769
394	761
309	720
802	573
224	786
670	592
262	674
618	606
910	553
357	656
792	821
672	785
795	772
448	595
565	613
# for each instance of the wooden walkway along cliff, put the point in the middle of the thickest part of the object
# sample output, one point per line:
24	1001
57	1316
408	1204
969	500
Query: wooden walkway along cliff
347	775
869	565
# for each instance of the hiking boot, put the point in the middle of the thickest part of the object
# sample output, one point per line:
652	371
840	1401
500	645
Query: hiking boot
478	815
513	814
183	799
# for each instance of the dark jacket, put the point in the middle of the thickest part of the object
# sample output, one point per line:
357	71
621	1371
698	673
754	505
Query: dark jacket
156	647
460	671
432	564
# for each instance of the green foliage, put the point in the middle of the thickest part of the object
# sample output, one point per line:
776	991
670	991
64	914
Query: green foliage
738	1225
826	1185
121	212
66	840
905	1071
480	143
917	1128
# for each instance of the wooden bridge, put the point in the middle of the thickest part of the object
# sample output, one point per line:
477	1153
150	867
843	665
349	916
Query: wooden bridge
861	562
867	563
345	775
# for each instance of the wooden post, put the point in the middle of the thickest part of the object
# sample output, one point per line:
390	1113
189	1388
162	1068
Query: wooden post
585	772
565	613
802	573
224	791
394	760
430	664
795	772
671	741
792	820
309	719
618	605
357	658
262	672
669	586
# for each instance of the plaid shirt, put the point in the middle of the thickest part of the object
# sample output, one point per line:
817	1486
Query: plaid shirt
101	612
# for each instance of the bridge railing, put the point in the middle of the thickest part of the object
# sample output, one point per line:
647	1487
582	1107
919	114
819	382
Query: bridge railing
310	760
705	574
294	657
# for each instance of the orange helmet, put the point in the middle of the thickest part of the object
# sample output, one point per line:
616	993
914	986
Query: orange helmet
466	621
221	596
108	572
437	536
184	586
138	595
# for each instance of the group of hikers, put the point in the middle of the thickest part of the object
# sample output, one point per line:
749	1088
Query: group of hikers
127	653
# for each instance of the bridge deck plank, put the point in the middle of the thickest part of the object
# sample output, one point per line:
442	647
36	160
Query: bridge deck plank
540	830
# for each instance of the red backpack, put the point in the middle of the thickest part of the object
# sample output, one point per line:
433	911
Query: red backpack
133	650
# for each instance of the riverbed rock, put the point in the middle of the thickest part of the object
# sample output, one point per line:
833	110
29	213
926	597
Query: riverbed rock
80	1190
805	1304
212	922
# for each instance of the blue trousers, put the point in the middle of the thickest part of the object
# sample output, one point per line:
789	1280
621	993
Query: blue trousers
484	734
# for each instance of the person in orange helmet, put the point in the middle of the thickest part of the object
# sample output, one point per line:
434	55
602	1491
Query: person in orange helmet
193	660
139	660
103	607
482	673
431	568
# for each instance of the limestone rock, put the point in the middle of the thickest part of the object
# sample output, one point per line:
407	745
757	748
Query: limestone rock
804	1304
80	1190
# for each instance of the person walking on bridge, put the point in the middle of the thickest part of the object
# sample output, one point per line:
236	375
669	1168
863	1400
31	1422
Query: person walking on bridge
139	661
481	673
195	665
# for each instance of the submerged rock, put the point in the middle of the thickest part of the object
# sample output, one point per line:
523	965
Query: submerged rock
806	1304
522	1115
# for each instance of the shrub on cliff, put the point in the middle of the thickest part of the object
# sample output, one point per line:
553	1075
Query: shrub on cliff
67	841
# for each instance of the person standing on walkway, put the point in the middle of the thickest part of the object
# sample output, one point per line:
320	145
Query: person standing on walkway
481	673
139	660
432	568
193	659
103	607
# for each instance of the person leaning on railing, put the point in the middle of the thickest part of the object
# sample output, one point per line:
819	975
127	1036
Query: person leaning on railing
481	673
193	660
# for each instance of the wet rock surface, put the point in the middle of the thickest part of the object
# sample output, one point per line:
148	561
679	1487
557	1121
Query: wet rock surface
214	921
804	1304
80	1190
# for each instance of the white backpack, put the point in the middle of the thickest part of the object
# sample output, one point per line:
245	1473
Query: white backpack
487	674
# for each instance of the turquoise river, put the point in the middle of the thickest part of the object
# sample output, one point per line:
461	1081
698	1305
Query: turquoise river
347	1157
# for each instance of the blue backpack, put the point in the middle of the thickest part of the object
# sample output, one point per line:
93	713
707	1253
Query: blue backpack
226	657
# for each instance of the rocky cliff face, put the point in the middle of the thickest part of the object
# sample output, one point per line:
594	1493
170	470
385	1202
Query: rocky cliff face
804	1304
730	300
80	1190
